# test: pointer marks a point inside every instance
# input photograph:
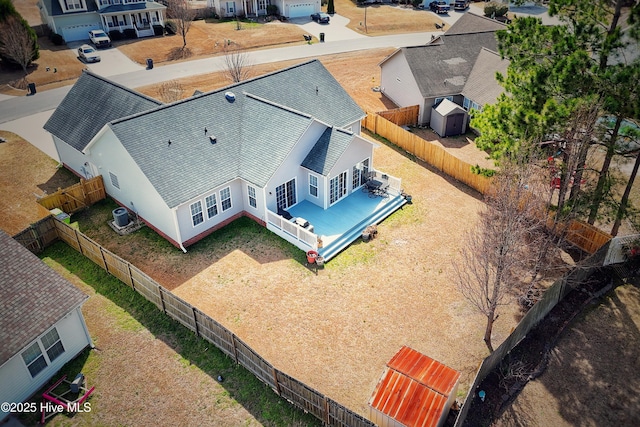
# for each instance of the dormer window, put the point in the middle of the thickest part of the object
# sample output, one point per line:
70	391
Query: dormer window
74	5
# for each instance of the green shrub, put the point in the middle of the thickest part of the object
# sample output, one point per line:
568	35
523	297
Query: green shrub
170	27
130	33
494	9
56	39
272	9
115	35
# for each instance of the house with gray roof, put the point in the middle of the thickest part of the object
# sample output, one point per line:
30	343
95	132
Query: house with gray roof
441	69
260	148
41	322
73	19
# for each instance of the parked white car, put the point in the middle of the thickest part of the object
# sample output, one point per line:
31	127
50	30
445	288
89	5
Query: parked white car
99	38
87	53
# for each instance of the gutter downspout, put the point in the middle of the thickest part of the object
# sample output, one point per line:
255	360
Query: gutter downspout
175	222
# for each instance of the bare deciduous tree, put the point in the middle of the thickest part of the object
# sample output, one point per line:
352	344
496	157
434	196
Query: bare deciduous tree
502	245
237	65
183	15
16	43
171	91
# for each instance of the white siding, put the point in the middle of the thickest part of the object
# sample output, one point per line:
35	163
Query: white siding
398	84
69	156
359	150
108	155
16	383
188	231
290	167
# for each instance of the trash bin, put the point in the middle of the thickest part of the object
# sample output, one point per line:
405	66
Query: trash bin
321	37
32	88
149	64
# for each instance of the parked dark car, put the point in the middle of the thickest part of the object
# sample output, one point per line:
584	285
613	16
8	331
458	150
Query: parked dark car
461	5
439	7
321	18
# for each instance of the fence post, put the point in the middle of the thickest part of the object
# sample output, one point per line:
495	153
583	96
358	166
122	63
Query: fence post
275	380
235	350
75	232
195	320
164	308
326	411
133	282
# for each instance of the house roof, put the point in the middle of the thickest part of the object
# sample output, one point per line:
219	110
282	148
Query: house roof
442	69
244	144
92	102
119	8
472	23
34	297
326	152
53	8
482	86
414	389
253	134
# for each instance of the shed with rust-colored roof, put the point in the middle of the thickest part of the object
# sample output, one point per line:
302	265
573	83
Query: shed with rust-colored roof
415	390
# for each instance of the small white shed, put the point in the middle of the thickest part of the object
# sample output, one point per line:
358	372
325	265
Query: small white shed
41	325
449	119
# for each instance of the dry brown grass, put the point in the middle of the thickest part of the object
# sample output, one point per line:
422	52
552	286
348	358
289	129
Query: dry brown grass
19	189
206	38
386	19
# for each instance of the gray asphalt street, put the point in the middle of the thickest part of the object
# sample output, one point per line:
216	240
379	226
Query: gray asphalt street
25	115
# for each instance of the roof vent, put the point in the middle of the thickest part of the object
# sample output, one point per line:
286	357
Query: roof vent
213	139
230	96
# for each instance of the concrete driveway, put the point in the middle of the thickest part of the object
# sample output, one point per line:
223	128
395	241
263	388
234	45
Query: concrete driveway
335	30
112	61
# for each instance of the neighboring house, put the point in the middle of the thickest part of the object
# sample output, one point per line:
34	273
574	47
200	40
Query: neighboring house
427	74
284	141
73	19
41	323
289	8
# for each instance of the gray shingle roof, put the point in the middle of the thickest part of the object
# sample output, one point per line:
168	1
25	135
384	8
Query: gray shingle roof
53	8
33	297
482	86
326	152
253	134
442	69
472	23
91	103
306	87
252	137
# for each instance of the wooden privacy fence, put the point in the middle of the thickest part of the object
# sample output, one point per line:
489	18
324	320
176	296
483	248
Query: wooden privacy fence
330	412
402	116
556	293
582	235
433	154
77	197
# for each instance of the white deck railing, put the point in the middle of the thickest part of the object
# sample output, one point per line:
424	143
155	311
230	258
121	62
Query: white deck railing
292	232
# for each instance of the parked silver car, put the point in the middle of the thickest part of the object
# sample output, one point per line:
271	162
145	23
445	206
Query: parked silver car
87	53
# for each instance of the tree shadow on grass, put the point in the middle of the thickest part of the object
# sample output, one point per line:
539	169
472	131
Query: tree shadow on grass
256	397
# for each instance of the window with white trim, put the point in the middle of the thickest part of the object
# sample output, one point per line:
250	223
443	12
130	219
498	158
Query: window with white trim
196	213
52	344
466	103
251	191
114	180
225	198
338	187
313	185
37	360
34	359
212	206
286	194
359	174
